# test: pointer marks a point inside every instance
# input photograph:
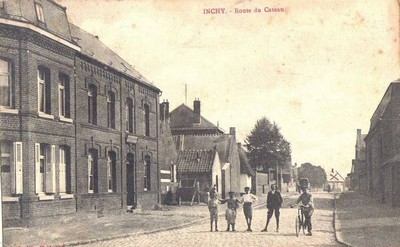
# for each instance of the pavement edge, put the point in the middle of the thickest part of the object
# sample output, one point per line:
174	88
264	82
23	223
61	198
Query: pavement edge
338	233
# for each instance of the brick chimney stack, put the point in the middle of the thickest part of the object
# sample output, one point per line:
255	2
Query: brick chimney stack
164	110
196	110
232	131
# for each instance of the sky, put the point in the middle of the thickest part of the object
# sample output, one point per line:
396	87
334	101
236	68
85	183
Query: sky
318	70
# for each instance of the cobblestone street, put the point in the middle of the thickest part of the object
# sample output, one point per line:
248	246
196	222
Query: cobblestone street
200	235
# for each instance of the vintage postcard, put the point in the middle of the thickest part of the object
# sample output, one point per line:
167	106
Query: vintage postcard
127	122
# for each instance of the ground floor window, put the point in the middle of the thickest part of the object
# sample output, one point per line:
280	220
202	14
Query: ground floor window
11	167
45	179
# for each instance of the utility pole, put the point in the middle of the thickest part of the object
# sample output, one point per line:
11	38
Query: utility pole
185	94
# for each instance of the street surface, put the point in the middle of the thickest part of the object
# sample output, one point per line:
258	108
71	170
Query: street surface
200	235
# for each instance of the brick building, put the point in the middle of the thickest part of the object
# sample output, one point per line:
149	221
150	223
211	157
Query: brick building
79	126
383	148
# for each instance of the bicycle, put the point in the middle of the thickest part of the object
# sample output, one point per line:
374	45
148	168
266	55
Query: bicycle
299	222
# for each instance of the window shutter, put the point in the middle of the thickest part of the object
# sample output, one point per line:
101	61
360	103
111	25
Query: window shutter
50	169
37	168
16	181
62	171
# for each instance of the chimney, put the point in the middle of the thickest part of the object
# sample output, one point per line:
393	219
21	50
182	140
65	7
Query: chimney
358	132
232	131
164	110
196	110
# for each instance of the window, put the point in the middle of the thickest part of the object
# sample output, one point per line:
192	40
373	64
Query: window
111	109
11	167
6	85
44	168
92	172
188	182
65	170
44	92
146	178
92	104
63	96
129	113
173	172
111	172
147	119
39	12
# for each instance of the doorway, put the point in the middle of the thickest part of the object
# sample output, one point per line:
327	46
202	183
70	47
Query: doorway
130	180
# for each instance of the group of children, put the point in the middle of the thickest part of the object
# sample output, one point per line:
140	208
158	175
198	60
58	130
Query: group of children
233	204
274	203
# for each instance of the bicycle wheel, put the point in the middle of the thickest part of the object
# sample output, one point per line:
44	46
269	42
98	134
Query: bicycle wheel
297	226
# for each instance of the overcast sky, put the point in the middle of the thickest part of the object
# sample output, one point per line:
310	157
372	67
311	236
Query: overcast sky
318	70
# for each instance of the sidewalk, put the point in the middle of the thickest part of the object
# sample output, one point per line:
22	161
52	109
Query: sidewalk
361	221
89	228
82	229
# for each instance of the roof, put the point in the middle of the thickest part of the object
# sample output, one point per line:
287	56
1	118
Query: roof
182	117
92	47
208	142
245	167
55	16
195	160
386	99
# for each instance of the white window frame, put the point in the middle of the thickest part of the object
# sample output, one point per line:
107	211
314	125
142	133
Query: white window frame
90	173
45	184
39	13
61	96
62	167
109	174
15	161
8	75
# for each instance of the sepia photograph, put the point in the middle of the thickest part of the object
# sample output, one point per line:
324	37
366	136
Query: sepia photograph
199	123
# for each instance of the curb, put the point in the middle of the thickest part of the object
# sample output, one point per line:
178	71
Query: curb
89	241
338	235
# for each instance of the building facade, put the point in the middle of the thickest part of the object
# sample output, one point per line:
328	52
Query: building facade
79	126
383	148
358	175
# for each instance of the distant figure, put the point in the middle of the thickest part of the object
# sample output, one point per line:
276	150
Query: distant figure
230	214
329	188
307	207
274	202
248	199
213	208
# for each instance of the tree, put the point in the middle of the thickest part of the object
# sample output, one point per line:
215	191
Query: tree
315	174
266	147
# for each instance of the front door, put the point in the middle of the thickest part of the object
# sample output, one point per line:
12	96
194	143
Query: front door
130	180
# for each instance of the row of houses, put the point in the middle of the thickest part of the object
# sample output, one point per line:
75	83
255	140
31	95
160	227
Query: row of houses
376	167
82	131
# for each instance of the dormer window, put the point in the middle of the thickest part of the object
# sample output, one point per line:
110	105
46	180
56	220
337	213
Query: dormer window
39	13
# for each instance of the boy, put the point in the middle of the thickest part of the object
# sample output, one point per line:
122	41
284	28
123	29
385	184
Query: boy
213	208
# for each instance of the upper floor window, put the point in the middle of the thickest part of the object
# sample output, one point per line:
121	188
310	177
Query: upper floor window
111	172
129	113
147	119
92	104
146	178
11	167
64	96
39	12
111	109
1	4
6	83
44	90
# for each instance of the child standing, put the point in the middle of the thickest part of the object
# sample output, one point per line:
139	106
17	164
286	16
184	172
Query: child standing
230	214
213	208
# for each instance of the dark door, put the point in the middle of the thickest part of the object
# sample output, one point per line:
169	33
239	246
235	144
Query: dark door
130	180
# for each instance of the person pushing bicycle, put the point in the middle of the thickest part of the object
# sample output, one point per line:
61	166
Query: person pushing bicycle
307	207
